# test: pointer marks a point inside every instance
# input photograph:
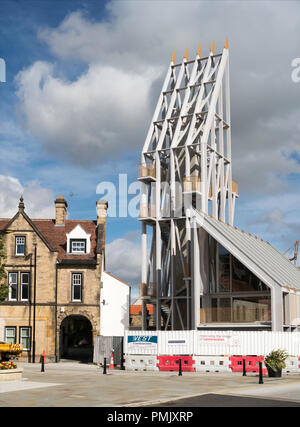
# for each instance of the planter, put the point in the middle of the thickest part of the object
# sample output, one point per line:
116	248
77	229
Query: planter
274	374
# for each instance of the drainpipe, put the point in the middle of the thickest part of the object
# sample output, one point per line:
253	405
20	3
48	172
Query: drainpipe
56	275
34	307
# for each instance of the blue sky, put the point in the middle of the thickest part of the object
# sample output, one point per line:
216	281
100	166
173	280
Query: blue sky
25	158
82	80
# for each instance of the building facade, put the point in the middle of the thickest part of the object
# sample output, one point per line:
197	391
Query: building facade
200	271
54	269
115	301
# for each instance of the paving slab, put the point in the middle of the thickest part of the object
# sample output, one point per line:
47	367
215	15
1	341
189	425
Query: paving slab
75	384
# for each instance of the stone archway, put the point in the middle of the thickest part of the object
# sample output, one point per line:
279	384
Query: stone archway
76	338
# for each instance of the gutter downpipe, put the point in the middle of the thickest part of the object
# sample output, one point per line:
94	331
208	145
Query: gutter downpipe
56	281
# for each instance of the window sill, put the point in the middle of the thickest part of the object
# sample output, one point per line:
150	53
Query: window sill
77	253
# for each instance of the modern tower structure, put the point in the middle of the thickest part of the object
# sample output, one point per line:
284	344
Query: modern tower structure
185	166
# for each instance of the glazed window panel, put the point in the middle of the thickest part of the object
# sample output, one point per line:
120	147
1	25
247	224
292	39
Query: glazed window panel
224	270
251	309
244	281
13	286
76	286
25	337
25	282
10	335
212	265
221	310
78	246
20	245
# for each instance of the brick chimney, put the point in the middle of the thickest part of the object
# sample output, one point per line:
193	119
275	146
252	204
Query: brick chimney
61	211
102	206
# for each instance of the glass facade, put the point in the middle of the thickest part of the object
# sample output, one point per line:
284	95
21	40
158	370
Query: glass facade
236	295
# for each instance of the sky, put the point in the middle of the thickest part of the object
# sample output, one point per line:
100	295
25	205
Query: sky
82	82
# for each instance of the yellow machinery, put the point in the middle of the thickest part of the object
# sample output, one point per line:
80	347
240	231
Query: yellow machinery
8	351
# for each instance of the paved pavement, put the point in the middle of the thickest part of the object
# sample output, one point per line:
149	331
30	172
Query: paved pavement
223	400
75	384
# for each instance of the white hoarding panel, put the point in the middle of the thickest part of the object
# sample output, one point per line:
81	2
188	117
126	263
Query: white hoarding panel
176	343
216	343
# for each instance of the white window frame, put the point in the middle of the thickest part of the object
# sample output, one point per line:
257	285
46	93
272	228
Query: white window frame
76	276
28	328
81	242
9	283
22	285
18	243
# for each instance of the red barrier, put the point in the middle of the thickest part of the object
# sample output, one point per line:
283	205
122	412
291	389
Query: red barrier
250	361
299	361
171	363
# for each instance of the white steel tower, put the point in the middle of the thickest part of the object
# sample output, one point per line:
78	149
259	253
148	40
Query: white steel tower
185	162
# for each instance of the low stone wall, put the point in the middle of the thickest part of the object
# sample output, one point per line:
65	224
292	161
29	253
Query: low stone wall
10	374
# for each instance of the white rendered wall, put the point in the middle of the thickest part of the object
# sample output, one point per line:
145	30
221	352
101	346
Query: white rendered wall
114	306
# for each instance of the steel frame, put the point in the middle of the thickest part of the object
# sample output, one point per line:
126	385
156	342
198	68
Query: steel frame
185	162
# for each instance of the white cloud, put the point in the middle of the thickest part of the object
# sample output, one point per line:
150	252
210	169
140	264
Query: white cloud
123	257
39	201
100	114
107	109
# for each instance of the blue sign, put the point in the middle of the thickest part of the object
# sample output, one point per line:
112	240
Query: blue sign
142	344
142	339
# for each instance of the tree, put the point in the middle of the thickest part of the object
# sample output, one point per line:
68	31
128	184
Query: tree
3	275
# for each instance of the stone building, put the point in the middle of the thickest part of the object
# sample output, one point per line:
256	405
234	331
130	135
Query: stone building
54	269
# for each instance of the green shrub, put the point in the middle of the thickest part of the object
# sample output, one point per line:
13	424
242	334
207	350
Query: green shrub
275	360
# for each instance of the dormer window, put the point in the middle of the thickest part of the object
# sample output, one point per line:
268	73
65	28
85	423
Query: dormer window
20	245
78	241
78	246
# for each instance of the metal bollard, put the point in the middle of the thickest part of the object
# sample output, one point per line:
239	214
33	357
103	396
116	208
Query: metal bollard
244	368
180	369
122	363
43	363
260	374
104	366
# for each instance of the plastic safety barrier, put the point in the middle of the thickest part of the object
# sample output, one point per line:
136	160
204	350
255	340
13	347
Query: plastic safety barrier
251	363
171	363
140	363
292	364
212	364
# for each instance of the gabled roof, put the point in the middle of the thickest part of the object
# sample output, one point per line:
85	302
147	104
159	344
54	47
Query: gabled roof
6	226
119	280
258	256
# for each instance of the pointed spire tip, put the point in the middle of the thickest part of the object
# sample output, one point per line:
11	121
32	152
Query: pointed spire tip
173	59
199	51
186	54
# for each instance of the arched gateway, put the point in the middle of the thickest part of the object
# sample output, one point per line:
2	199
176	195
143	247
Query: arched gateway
76	338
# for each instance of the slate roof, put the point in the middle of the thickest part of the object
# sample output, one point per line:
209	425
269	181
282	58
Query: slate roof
258	254
56	237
